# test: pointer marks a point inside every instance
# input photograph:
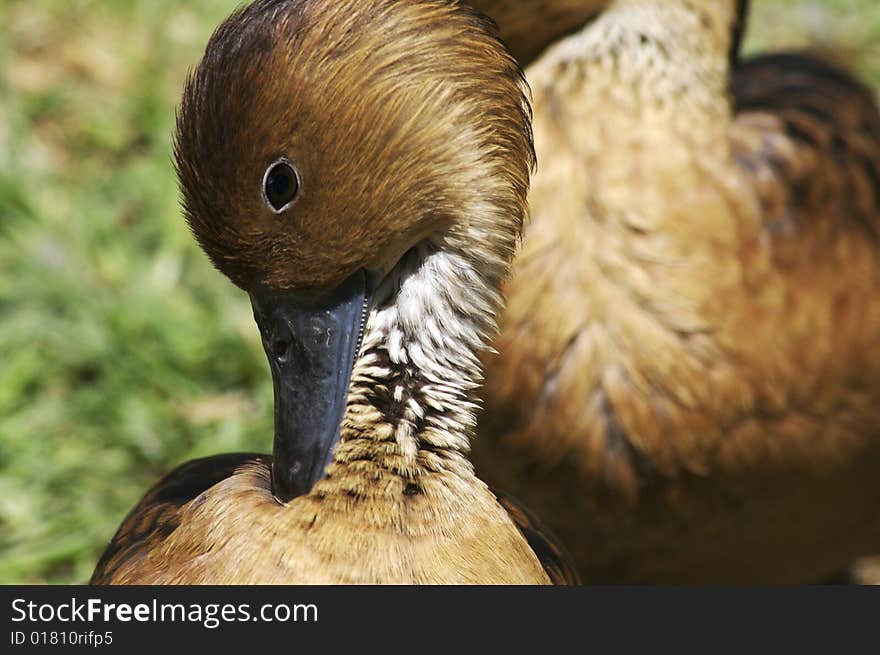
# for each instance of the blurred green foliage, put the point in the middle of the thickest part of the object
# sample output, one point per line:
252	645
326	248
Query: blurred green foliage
122	352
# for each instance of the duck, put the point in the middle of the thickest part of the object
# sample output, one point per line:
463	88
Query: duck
360	168
687	380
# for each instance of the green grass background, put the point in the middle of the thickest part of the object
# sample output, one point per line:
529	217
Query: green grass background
122	352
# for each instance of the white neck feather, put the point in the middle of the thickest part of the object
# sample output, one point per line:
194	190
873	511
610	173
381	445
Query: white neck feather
419	366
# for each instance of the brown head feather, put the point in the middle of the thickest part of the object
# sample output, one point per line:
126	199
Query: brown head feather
384	159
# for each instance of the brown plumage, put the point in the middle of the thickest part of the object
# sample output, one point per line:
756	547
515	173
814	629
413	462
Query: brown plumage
527	27
688	384
406	125
239	488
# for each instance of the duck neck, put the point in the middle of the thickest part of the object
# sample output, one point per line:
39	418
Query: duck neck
529	27
636	184
411	408
673	56
695	20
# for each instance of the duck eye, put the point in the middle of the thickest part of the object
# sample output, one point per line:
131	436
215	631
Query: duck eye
280	185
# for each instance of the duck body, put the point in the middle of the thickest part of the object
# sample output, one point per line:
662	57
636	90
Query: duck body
688	380
360	168
234	531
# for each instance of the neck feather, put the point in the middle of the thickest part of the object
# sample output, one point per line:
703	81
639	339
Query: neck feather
660	63
637	192
411	403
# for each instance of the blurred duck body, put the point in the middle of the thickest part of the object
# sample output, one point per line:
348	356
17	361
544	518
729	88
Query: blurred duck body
360	168
688	380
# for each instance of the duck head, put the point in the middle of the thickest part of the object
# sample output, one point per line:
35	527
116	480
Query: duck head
317	143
